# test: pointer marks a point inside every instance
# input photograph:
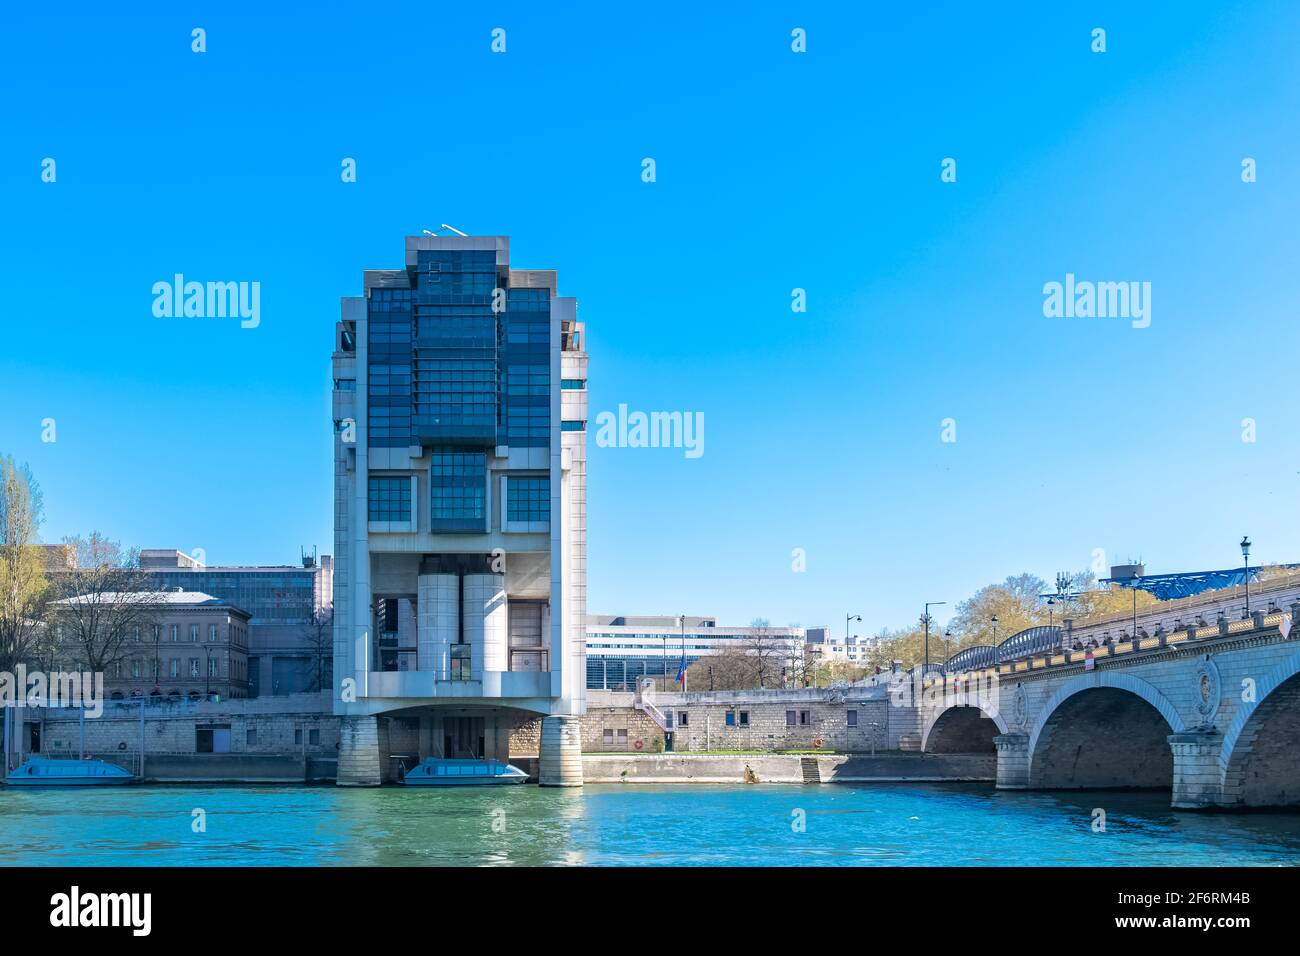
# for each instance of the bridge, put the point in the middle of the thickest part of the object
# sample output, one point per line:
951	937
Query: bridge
1201	698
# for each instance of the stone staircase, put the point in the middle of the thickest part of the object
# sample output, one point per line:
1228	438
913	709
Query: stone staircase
811	772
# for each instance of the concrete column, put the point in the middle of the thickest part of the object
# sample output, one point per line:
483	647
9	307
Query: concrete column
560	756
1013	761
1197	783
359	752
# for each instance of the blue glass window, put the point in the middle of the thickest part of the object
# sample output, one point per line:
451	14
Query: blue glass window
573	383
573	426
528	499
458	482
390	499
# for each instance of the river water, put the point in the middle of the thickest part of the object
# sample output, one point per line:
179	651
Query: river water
838	824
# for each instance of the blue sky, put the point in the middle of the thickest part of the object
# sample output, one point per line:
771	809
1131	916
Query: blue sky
775	170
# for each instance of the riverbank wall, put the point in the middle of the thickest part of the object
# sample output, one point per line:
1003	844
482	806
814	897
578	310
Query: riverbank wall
780	768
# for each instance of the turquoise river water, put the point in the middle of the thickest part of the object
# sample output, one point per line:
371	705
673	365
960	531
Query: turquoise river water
869	825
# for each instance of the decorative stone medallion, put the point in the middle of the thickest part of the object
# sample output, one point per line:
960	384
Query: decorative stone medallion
1020	706
1208	692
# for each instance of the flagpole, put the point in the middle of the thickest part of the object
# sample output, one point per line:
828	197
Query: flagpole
683	653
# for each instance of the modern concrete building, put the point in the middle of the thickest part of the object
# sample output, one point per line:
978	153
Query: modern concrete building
460	511
289	607
621	649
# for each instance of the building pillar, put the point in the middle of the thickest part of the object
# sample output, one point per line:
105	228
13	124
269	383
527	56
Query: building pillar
1197	781
560	756
1013	761
359	764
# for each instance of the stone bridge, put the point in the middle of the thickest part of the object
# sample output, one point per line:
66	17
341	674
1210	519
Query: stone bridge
1209	713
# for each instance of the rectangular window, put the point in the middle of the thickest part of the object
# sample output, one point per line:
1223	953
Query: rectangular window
622	736
803	718
608	736
390	499
573	383
853	718
683	718
212	632
194	633
175	666
744	718
789	718
567	426
251	736
176	632
458	488
731	718
297	735
460	661
135	668
528	499
313	737
194	667
212	667
135	633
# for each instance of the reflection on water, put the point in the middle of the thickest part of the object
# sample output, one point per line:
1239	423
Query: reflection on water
883	824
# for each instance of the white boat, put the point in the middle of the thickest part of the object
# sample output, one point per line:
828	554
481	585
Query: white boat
66	772
444	772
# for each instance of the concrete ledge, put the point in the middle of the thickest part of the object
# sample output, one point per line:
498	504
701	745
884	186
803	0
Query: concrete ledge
787	768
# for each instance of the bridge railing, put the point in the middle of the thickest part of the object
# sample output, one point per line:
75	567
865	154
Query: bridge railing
983	657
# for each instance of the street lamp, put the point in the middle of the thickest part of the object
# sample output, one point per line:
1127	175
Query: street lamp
1134	586
1245	554
847	619
995	630
947	648
926	619
1051	606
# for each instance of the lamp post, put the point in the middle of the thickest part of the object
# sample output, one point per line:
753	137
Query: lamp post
1134	586
847	619
995	630
1245	554
926	619
947	648
1051	606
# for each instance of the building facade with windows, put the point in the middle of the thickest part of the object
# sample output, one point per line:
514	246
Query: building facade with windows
290	641
621	649
460	510
187	646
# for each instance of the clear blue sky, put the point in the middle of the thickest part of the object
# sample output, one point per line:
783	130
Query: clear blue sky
775	171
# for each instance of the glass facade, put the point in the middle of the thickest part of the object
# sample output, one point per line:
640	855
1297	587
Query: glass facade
458	483
274	596
389	391
455	397
447	368
528	499
390	499
526	369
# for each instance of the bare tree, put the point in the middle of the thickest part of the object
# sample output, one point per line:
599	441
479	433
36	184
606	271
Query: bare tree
729	669
100	604
768	650
318	635
23	585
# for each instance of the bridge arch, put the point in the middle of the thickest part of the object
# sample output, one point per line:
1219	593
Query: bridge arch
1104	730
1257	761
962	729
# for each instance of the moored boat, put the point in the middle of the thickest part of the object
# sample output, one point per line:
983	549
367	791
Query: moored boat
446	772
65	772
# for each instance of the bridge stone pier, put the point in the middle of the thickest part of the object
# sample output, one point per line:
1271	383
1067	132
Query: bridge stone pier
1210	714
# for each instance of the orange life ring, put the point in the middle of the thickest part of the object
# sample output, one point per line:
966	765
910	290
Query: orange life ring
817	742
637	745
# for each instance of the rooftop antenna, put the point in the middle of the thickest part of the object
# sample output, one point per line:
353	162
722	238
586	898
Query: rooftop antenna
445	226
